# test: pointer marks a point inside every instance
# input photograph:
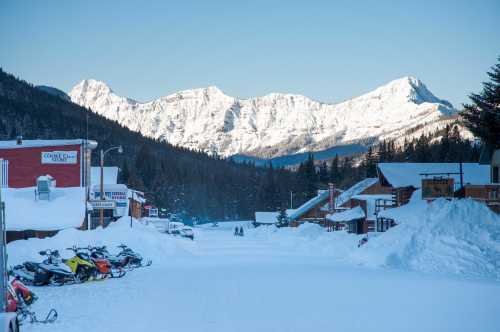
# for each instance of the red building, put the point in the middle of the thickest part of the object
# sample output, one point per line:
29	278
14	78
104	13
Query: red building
67	161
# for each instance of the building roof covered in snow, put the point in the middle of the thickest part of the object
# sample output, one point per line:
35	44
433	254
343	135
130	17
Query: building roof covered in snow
408	174
110	175
370	203
64	209
347	215
318	199
270	217
13	144
354	190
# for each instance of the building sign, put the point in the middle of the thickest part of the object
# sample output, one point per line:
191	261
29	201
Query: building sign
59	157
435	188
114	195
103	205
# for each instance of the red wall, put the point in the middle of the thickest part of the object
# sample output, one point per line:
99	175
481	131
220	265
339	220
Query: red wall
25	165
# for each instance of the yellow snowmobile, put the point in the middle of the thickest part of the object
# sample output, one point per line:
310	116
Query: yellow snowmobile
82	266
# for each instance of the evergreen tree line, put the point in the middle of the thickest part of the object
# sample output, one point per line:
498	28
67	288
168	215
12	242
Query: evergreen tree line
191	183
187	183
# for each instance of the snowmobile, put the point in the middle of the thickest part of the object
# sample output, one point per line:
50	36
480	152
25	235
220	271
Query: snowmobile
82	265
102	252
21	290
105	265
17	294
134	259
51	271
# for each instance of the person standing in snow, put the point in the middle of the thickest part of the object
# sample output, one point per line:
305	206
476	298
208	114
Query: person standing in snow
236	233
241	231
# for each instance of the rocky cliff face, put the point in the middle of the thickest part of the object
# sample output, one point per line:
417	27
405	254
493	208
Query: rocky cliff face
273	125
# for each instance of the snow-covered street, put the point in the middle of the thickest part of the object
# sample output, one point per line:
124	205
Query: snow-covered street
253	283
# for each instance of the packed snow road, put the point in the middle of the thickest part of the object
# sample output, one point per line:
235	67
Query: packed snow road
220	282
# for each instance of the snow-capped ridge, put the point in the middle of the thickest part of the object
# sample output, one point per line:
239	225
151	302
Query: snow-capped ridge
275	124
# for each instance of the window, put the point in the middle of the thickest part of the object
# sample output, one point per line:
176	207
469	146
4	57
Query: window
495	174
493	195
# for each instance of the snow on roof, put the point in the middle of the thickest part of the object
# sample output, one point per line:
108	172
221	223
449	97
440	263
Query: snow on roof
43	142
370	203
408	174
266	217
347	215
354	190
322	195
137	196
65	209
110	187
110	175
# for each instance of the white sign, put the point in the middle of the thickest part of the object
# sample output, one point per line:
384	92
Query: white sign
59	157
104	205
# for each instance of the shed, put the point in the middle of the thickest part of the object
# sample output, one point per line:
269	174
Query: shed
354	218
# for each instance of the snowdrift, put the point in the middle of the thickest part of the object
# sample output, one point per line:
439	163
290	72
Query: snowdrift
458	237
143	238
454	237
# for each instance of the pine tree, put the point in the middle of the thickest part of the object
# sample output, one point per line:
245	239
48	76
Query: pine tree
323	173
311	177
334	170
482	117
282	217
371	165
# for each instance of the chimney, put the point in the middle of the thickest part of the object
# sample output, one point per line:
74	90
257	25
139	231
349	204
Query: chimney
19	140
331	197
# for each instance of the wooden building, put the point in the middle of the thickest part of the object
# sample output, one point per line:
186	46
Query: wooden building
404	178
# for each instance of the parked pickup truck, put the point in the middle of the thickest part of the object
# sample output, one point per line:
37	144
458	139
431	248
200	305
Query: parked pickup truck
178	228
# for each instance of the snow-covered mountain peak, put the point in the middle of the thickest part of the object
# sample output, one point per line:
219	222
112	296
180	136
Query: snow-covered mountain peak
92	86
272	125
409	89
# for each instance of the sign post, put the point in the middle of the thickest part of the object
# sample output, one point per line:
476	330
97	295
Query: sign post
103	205
3	254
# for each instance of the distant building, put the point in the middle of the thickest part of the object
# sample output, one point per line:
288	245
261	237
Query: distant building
357	207
314	210
269	218
127	201
404	178
67	161
488	193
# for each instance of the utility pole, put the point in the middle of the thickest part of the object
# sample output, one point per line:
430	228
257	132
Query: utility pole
102	198
101	189
3	253
291	199
131	208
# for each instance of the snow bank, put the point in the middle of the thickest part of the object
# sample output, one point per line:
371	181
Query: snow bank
454	237
143	238
65	209
308	239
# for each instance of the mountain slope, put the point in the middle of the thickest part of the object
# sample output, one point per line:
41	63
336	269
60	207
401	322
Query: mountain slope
268	126
53	91
185	182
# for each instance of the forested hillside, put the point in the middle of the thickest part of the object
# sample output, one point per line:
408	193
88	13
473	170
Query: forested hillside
185	182
193	184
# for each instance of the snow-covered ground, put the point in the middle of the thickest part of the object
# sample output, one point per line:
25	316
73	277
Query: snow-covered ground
300	279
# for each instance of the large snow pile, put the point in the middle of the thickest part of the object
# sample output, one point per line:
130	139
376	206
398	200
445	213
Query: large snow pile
455	237
64	209
142	238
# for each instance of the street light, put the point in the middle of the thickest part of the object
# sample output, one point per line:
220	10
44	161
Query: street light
103	153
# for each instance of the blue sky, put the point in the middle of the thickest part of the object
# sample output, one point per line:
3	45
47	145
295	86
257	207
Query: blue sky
327	50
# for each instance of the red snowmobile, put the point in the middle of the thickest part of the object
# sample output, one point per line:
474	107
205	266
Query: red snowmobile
19	298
